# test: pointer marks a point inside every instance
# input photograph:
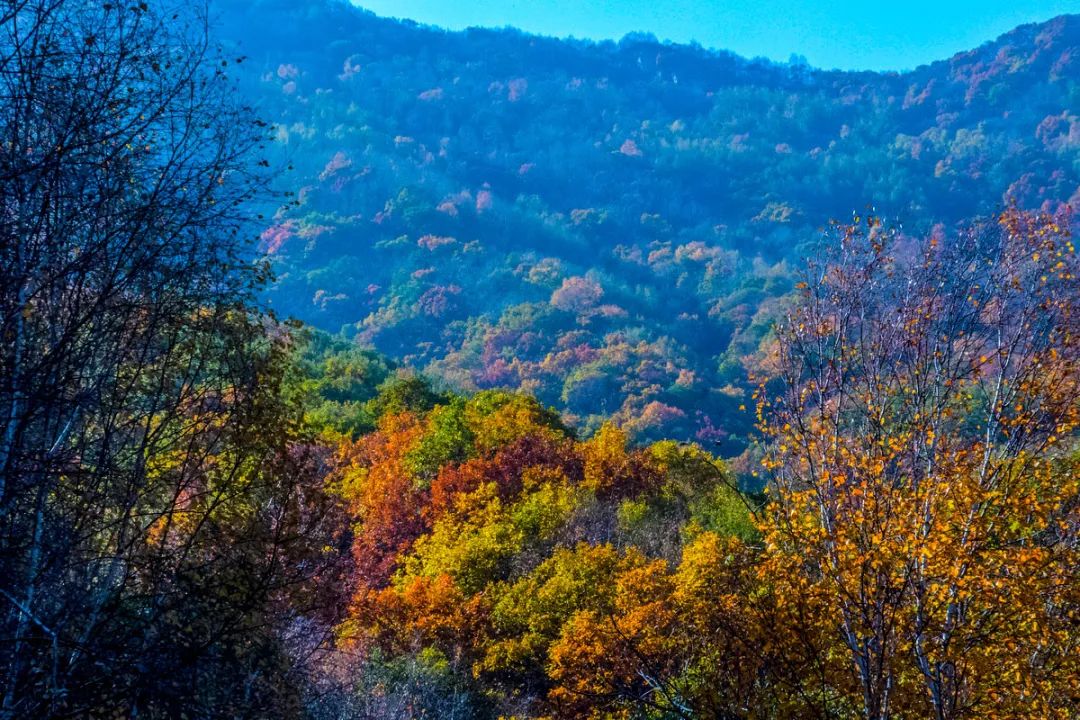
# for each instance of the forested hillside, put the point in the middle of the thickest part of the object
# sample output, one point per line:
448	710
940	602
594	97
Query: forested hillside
611	226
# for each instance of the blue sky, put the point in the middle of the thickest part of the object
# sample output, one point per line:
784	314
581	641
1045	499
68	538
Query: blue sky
867	35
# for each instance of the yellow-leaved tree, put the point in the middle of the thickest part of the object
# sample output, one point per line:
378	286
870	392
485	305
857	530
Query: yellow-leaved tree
923	525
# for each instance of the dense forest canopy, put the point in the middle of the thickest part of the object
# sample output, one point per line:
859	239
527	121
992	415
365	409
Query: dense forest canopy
595	270
611	226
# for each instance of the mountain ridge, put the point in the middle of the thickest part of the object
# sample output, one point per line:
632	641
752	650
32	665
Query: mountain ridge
646	37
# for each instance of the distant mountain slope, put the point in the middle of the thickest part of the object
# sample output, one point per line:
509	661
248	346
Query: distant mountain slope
610	226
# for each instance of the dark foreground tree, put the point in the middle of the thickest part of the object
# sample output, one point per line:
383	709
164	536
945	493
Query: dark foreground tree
161	523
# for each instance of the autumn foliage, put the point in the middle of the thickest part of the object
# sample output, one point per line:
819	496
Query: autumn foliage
914	556
488	535
208	512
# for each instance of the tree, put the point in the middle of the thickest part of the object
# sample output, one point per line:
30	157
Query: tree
920	514
150	516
